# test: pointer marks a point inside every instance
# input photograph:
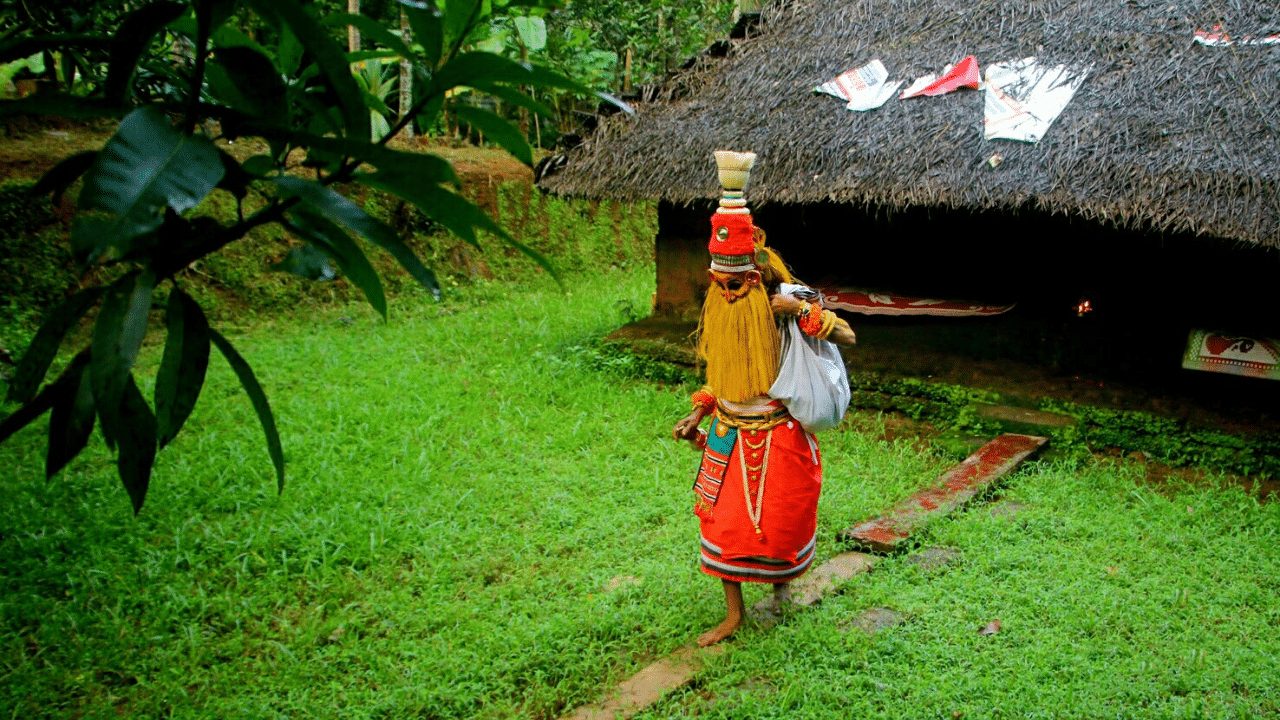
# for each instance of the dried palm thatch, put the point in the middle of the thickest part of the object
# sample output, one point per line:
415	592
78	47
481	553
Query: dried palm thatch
1165	134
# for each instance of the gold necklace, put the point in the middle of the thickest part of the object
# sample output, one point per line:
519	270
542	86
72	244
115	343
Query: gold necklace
753	514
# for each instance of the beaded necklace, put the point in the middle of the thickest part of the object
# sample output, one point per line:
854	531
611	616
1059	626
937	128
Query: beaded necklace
753	513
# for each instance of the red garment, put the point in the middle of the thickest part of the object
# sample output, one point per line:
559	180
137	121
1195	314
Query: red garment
783	550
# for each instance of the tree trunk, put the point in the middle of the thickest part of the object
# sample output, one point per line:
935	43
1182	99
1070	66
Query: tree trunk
353	35
406	74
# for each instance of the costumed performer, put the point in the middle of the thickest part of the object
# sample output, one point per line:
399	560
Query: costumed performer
756	492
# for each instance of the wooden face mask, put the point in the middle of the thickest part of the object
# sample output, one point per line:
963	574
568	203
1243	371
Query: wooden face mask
733	286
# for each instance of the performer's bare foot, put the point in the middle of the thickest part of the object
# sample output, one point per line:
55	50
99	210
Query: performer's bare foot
733	615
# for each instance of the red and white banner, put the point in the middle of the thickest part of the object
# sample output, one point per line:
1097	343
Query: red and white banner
874	303
864	88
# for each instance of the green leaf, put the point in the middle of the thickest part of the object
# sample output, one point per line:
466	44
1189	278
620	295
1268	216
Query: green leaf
130	41
349	215
137	441
44	347
234	178
473	67
327	54
147	165
254	83
334	242
360	56
288	52
71	422
533	31
259	400
37	406
498	130
453	211
117	337
459	19
25	47
58	179
428	30
371	29
182	369
514	97
259	165
307	262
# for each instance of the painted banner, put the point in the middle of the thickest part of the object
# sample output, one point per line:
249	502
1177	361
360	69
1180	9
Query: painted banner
874	303
1232	354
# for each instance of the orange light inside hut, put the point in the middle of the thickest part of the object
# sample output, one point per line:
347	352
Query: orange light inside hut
1083	307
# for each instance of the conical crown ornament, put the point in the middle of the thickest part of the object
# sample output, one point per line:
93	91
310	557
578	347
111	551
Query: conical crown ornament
732	245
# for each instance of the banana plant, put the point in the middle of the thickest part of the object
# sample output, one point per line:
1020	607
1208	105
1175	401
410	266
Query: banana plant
293	87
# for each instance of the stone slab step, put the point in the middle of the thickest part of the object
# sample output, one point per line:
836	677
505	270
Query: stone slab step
956	487
648	686
659	678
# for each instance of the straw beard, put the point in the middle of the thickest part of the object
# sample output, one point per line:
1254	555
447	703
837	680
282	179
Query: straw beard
740	344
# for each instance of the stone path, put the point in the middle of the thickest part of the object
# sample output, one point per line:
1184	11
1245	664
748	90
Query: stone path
977	472
959	485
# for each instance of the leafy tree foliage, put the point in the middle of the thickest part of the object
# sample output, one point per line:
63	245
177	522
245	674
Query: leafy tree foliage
272	69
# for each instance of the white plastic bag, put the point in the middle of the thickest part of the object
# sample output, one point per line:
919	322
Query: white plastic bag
812	380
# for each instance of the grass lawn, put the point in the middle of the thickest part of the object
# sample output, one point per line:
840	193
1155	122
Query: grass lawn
482	519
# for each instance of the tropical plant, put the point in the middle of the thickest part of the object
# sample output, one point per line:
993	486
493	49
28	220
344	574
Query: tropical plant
271	69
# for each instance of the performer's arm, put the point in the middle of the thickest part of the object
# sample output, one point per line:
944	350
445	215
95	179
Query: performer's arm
814	321
703	405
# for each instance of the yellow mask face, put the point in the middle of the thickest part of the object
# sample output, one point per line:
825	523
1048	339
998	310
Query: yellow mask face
733	286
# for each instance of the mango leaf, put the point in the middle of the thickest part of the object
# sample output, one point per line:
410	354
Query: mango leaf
255	85
146	166
234	178
327	54
428	29
137	441
259	165
182	369
130	41
460	17
117	337
37	406
513	96
71	422
451	210
498	130
259	400
478	67
60	177
325	235
307	262
342	211
40	353
371	29
288	52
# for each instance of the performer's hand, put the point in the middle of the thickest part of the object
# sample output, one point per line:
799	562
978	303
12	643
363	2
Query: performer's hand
788	305
687	428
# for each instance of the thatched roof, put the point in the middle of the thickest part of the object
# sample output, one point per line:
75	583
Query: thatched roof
1165	133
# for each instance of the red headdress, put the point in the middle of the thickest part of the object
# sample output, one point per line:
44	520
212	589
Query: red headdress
733	236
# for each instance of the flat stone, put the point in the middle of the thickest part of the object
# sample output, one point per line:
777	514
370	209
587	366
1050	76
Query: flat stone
935	558
955	488
822	580
876	619
648	686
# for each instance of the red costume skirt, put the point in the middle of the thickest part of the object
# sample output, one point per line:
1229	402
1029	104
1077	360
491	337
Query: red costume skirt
754	536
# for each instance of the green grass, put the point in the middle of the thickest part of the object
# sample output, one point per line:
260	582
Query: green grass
485	517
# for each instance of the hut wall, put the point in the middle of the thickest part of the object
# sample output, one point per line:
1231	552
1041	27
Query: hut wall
681	259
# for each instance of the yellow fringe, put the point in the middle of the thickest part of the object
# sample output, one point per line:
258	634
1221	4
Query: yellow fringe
740	344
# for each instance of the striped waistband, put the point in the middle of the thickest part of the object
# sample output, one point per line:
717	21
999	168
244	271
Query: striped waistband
753	421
